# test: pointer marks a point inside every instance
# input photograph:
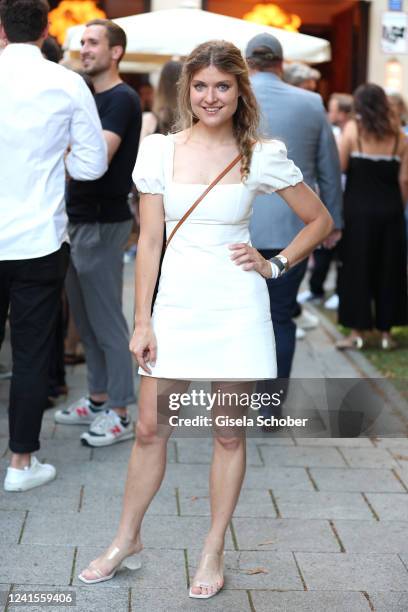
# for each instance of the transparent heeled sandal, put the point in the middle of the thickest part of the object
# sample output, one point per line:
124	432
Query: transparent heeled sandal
351	342
132	562
388	344
216	585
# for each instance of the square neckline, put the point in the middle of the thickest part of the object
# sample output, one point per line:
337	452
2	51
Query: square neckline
173	182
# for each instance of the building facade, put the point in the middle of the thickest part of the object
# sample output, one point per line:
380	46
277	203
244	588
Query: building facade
369	38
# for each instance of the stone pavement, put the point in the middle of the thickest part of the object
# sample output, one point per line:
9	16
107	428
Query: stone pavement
321	525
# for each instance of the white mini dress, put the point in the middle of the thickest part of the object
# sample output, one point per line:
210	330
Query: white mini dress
211	318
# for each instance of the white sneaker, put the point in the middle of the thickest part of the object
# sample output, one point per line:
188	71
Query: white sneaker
34	475
80	412
306	320
300	333
304	296
308	296
332	303
107	429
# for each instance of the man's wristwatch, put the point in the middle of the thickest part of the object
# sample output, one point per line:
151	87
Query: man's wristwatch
281	262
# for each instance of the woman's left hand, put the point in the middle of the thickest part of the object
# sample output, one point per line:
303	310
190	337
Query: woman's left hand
250	259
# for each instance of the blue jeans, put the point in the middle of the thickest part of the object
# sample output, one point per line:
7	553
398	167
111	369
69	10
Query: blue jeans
282	296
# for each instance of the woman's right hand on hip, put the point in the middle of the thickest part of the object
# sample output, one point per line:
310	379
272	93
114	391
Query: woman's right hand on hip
143	345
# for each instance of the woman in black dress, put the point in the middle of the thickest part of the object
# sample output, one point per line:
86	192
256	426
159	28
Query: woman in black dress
373	274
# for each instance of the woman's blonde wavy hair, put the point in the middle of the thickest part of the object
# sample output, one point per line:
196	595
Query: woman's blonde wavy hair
227	58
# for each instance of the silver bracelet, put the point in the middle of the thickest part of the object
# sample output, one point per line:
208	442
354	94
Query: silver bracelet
276	273
281	263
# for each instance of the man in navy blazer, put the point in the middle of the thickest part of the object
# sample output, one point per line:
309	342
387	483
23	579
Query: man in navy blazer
297	117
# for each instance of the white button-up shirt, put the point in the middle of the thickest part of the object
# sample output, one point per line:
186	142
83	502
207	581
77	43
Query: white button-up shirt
44	110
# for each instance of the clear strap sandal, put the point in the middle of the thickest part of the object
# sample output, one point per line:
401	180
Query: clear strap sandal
213	587
350	343
388	344
132	562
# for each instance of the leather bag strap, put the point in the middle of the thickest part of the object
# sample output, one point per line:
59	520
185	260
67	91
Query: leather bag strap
202	196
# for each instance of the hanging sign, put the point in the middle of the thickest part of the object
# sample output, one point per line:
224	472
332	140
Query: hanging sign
395	5
394	32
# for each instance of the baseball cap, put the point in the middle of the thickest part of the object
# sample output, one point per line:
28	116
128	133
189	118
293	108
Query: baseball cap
264	40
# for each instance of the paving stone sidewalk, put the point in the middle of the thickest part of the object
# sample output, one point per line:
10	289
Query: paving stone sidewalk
321	525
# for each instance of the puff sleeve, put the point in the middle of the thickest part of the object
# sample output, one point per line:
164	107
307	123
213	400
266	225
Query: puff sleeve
148	174
275	170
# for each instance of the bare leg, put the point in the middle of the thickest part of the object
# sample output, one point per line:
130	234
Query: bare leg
147	463
20	460
146	469
226	477
355	333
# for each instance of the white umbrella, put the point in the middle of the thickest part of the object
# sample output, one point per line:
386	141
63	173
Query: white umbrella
156	37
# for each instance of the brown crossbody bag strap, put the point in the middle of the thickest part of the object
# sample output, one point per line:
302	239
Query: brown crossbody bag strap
202	196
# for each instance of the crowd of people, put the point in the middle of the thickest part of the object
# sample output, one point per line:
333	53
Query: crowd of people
241	175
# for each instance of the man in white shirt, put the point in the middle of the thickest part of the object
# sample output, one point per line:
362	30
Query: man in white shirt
44	110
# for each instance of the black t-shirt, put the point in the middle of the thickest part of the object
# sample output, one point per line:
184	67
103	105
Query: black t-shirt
105	200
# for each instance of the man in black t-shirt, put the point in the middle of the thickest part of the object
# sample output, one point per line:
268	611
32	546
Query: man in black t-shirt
99	226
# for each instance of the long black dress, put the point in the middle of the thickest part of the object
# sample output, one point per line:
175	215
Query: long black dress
373	251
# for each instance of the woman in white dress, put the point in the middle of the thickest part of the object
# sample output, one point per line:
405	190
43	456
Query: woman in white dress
211	318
